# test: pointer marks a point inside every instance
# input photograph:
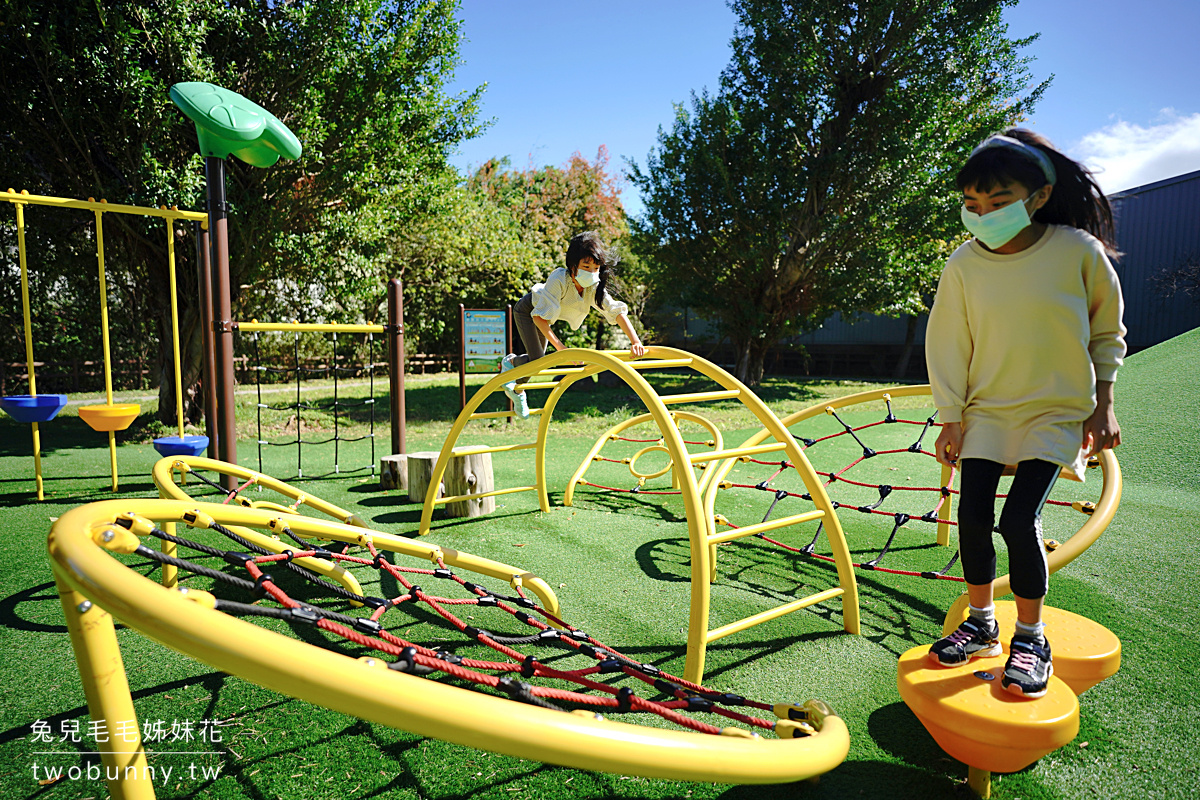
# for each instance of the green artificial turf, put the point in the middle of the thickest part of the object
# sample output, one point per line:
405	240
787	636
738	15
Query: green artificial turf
619	565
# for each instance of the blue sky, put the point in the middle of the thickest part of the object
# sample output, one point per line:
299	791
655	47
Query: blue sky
565	76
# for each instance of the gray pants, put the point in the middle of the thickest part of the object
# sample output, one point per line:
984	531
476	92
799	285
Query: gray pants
535	343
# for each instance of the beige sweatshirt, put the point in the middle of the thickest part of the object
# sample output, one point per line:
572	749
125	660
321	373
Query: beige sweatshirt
1016	343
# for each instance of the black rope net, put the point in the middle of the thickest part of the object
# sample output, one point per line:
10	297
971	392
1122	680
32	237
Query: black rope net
328	414
889	473
520	645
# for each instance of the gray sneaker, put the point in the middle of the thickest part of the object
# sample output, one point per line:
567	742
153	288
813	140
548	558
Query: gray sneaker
518	398
1029	666
971	640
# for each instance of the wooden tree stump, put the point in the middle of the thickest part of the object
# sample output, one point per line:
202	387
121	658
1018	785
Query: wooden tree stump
470	474
393	472
420	469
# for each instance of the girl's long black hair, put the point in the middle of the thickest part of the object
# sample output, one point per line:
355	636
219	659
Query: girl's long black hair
1076	201
589	245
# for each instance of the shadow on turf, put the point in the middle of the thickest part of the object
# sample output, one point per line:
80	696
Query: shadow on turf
15	492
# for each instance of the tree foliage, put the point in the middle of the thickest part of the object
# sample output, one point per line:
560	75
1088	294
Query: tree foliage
815	179
361	83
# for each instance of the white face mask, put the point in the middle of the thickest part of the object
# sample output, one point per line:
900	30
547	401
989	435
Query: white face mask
999	227
586	278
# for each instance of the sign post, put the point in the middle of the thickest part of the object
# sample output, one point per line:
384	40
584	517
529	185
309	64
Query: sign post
484	335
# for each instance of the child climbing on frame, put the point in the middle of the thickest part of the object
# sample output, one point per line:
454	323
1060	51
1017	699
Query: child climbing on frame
1023	345
568	294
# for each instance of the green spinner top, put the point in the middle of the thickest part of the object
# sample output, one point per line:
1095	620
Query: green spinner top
229	124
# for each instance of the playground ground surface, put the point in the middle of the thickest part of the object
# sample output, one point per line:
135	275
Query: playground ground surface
619	565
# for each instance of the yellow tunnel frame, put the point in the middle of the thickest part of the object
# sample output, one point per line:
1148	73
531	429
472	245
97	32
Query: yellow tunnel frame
571	365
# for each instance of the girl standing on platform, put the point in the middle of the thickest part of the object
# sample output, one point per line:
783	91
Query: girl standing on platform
1023	344
568	294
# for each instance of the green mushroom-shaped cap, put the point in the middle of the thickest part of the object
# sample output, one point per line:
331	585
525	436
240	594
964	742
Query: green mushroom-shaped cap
229	124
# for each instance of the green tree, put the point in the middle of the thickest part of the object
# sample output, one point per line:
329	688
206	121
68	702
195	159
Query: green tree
815	179
84	86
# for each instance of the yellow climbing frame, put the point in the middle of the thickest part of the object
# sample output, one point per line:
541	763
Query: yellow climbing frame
1098	517
614	433
164	473
93	585
557	371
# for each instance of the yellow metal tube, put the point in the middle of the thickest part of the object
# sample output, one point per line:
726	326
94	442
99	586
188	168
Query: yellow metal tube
108	393
37	436
774	613
699	397
763	527
533	412
175	328
659	363
500	448
98	657
739	451
463	497
309	327
92	205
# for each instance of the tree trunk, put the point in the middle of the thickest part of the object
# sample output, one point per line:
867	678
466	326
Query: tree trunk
910	337
749	366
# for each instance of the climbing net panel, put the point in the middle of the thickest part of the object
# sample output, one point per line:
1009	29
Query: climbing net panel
874	454
284	417
431	640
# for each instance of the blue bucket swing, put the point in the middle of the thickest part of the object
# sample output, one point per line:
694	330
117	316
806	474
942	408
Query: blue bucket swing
33	407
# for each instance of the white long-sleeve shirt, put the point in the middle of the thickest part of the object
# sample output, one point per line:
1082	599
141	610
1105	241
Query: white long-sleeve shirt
558	298
1016	343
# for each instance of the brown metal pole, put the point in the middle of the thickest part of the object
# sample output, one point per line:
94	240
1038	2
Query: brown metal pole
462	356
396	363
208	371
222	322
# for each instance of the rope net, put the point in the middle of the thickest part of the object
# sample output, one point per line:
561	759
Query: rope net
888	475
333	414
510	645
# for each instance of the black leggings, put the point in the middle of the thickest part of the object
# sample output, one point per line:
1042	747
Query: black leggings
1020	523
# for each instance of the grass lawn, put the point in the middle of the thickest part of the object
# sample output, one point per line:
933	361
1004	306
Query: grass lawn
618	562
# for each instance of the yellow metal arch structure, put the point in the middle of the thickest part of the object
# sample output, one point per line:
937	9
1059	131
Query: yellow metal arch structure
93	585
1065	553
164	472
573	364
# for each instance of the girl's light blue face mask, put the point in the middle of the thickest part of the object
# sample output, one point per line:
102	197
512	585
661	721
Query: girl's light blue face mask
586	278
999	227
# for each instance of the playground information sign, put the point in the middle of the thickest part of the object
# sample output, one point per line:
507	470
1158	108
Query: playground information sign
484	339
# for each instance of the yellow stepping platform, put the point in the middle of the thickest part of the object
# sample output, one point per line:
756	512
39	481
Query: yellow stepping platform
110	416
973	719
1085	652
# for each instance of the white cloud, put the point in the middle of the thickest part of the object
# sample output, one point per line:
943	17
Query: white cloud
1124	155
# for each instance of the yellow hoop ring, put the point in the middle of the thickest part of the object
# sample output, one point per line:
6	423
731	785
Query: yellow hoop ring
643	451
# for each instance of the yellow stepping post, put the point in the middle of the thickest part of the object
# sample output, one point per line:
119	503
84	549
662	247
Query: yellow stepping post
1085	652
990	729
981	724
